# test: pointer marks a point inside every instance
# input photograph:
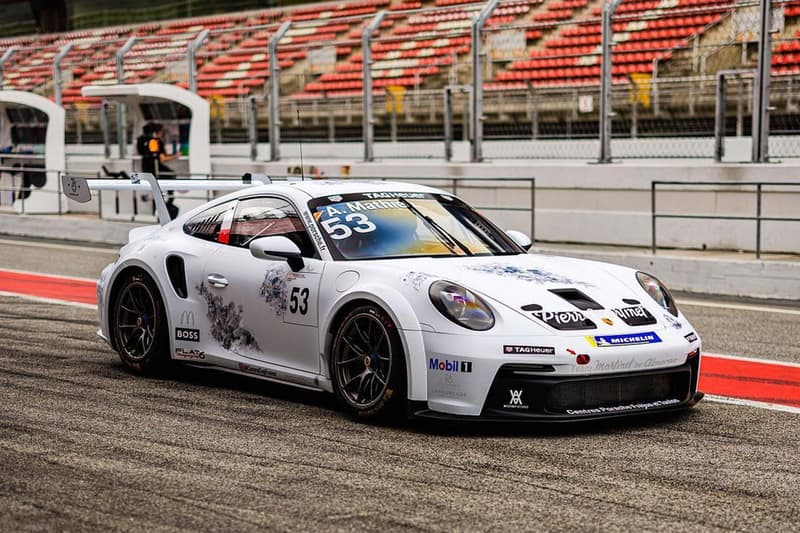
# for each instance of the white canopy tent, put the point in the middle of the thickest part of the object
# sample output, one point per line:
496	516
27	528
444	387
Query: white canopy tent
199	157
43	199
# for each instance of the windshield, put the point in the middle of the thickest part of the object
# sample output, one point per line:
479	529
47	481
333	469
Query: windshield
392	225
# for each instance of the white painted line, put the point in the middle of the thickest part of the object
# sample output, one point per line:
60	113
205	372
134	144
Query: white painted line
49	300
751	403
55	246
56	276
740	307
752	359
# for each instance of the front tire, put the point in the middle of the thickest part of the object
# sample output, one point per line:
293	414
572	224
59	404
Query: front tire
139	324
368	364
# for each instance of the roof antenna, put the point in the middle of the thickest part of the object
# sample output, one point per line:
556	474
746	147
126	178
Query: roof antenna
300	138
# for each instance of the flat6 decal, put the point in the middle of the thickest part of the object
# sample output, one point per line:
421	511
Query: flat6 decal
301	299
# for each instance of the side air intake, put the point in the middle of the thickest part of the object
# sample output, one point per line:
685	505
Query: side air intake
177	275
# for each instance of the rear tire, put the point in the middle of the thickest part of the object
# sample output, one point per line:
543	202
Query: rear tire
139	324
368	364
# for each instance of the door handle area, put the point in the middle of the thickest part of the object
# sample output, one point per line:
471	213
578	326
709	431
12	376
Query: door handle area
218	280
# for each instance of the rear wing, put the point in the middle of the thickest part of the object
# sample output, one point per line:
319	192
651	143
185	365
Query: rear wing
79	189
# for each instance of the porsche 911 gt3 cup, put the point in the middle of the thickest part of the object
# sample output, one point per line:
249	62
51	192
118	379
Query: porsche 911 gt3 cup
396	298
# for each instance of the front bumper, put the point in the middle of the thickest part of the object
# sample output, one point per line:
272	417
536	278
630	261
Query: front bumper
528	393
426	414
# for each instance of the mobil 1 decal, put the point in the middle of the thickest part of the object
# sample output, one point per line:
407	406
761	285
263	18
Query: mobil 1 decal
300	295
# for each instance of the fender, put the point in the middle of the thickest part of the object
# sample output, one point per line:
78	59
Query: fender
402	314
138	263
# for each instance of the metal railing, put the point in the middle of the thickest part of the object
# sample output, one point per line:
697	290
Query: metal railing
454	185
758	218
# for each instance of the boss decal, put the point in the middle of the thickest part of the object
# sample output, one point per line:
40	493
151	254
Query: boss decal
603	341
635	316
564	320
517	349
187	334
691	337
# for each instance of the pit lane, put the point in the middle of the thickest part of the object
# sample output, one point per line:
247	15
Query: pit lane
86	445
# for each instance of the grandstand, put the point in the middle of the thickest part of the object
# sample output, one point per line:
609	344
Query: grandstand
421	47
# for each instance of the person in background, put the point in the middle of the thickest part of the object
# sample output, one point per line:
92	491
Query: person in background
154	159
141	141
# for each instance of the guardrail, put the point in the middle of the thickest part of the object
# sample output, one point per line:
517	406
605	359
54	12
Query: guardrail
758	218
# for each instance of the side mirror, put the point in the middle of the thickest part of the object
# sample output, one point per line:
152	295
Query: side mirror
277	248
522	240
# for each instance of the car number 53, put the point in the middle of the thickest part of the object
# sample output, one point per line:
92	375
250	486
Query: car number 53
338	231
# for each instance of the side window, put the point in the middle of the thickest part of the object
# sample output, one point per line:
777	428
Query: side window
208	224
264	217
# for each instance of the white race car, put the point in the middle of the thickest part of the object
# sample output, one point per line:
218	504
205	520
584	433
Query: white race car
398	298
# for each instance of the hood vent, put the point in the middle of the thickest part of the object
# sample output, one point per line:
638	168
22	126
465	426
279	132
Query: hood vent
577	298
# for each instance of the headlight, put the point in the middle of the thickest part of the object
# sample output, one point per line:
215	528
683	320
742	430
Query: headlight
461	306
657	292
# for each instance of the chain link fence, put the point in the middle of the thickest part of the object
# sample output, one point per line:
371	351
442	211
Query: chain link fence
540	63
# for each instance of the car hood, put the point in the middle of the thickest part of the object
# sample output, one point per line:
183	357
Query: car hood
525	283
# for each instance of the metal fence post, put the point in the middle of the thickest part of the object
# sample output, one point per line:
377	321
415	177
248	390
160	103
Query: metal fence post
606	79
252	128
105	127
740	108
331	125
634	109
191	58
3	60
533	211
653	217
761	86
534	108
58	190
366	65
448	123
719	118
477	80
57	81
121	127
393	117
758	221
78	125
720	108
275	93
654	96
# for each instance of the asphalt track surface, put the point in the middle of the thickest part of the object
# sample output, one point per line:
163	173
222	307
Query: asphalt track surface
86	445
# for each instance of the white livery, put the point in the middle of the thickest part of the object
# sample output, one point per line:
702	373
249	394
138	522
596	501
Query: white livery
397	298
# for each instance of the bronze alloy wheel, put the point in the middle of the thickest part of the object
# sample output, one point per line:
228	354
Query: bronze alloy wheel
368	366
